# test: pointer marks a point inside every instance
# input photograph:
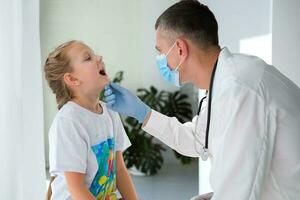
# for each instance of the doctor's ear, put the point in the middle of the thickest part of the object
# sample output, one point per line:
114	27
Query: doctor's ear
70	80
183	47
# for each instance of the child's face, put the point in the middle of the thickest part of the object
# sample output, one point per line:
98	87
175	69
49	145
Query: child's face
88	75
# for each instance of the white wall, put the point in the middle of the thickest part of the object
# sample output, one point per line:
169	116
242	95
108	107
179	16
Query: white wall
122	31
286	42
239	20
245	27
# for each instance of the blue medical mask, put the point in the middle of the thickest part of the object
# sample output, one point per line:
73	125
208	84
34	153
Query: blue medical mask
169	75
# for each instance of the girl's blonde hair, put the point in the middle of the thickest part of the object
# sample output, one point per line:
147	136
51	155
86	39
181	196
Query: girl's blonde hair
56	65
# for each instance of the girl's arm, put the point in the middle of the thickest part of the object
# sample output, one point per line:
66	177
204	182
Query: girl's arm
124	181
75	183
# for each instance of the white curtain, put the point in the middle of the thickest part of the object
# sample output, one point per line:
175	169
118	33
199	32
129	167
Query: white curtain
22	170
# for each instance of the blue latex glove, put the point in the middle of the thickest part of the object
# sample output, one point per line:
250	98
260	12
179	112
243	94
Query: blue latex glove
121	100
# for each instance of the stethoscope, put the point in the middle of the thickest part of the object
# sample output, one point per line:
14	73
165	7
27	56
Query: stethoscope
204	153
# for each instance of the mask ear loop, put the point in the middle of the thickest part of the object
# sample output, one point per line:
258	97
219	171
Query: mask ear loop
170	49
176	69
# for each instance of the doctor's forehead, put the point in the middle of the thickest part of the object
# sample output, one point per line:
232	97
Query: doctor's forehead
158	41
163	39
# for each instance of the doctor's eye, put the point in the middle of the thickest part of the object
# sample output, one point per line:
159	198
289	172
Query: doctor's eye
158	52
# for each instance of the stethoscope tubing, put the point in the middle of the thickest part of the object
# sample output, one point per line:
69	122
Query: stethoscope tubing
208	111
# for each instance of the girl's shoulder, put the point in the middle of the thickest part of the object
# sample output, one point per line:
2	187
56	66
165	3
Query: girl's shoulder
67	119
69	110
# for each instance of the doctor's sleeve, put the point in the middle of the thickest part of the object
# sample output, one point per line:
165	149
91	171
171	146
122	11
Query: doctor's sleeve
244	146
179	136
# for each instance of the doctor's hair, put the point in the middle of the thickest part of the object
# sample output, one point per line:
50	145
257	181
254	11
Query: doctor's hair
192	20
56	65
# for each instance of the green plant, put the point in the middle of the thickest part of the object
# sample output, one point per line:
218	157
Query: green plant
145	153
178	106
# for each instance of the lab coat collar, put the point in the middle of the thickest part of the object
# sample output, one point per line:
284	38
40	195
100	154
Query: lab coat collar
223	69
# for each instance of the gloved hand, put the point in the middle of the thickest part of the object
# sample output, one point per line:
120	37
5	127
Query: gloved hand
121	100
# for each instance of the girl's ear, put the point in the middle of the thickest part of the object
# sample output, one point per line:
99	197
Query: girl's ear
70	80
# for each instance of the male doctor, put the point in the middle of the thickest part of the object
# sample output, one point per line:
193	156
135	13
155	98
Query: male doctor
250	124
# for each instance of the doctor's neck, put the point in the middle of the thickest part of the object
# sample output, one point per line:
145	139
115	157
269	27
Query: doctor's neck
204	62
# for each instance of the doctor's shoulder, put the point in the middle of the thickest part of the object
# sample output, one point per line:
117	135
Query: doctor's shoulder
248	70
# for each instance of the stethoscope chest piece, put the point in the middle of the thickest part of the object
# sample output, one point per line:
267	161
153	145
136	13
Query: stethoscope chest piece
204	154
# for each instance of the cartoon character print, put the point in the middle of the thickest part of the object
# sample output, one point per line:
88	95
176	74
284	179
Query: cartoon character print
104	183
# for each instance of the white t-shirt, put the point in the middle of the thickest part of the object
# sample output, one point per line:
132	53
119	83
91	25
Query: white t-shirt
85	142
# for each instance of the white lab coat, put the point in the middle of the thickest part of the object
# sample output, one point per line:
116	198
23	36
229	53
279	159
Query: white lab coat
254	132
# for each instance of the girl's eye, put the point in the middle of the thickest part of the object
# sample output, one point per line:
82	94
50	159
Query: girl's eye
88	58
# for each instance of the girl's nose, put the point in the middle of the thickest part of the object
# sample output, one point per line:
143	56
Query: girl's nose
99	58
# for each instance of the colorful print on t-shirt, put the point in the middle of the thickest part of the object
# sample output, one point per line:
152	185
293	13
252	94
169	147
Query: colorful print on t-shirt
104	184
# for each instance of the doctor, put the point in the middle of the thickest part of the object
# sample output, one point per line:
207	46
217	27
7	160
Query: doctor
249	124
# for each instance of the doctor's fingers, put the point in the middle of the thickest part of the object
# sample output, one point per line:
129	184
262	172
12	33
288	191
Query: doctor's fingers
110	103
117	88
108	91
110	97
110	100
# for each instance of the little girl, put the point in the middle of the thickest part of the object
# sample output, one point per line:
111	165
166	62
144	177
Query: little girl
86	139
